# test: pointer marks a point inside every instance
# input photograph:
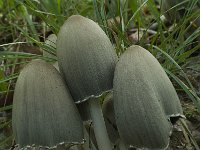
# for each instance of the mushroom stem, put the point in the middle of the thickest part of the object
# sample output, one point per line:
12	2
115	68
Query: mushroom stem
89	143
121	145
100	131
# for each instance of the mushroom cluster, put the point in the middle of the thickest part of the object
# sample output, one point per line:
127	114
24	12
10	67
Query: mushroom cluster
51	107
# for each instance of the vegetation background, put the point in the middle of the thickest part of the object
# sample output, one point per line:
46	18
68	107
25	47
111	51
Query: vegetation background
25	25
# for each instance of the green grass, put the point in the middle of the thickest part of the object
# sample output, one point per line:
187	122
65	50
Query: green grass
27	22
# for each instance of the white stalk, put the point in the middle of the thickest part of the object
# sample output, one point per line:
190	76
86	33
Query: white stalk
100	131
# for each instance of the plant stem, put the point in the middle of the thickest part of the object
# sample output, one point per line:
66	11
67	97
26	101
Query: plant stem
88	145
122	145
100	131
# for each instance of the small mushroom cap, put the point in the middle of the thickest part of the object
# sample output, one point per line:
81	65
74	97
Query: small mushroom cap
139	113
56	66
44	113
86	58
51	42
109	117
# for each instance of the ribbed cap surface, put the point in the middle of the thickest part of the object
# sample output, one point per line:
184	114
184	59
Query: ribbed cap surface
44	113
51	42
86	58
138	102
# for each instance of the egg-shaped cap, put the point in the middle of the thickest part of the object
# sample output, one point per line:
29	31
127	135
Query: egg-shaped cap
44	113
51	42
86	58
139	114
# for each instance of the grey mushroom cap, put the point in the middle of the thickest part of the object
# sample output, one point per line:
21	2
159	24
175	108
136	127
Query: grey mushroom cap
51	42
56	66
139	112
161	84
109	117
44	113
86	58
